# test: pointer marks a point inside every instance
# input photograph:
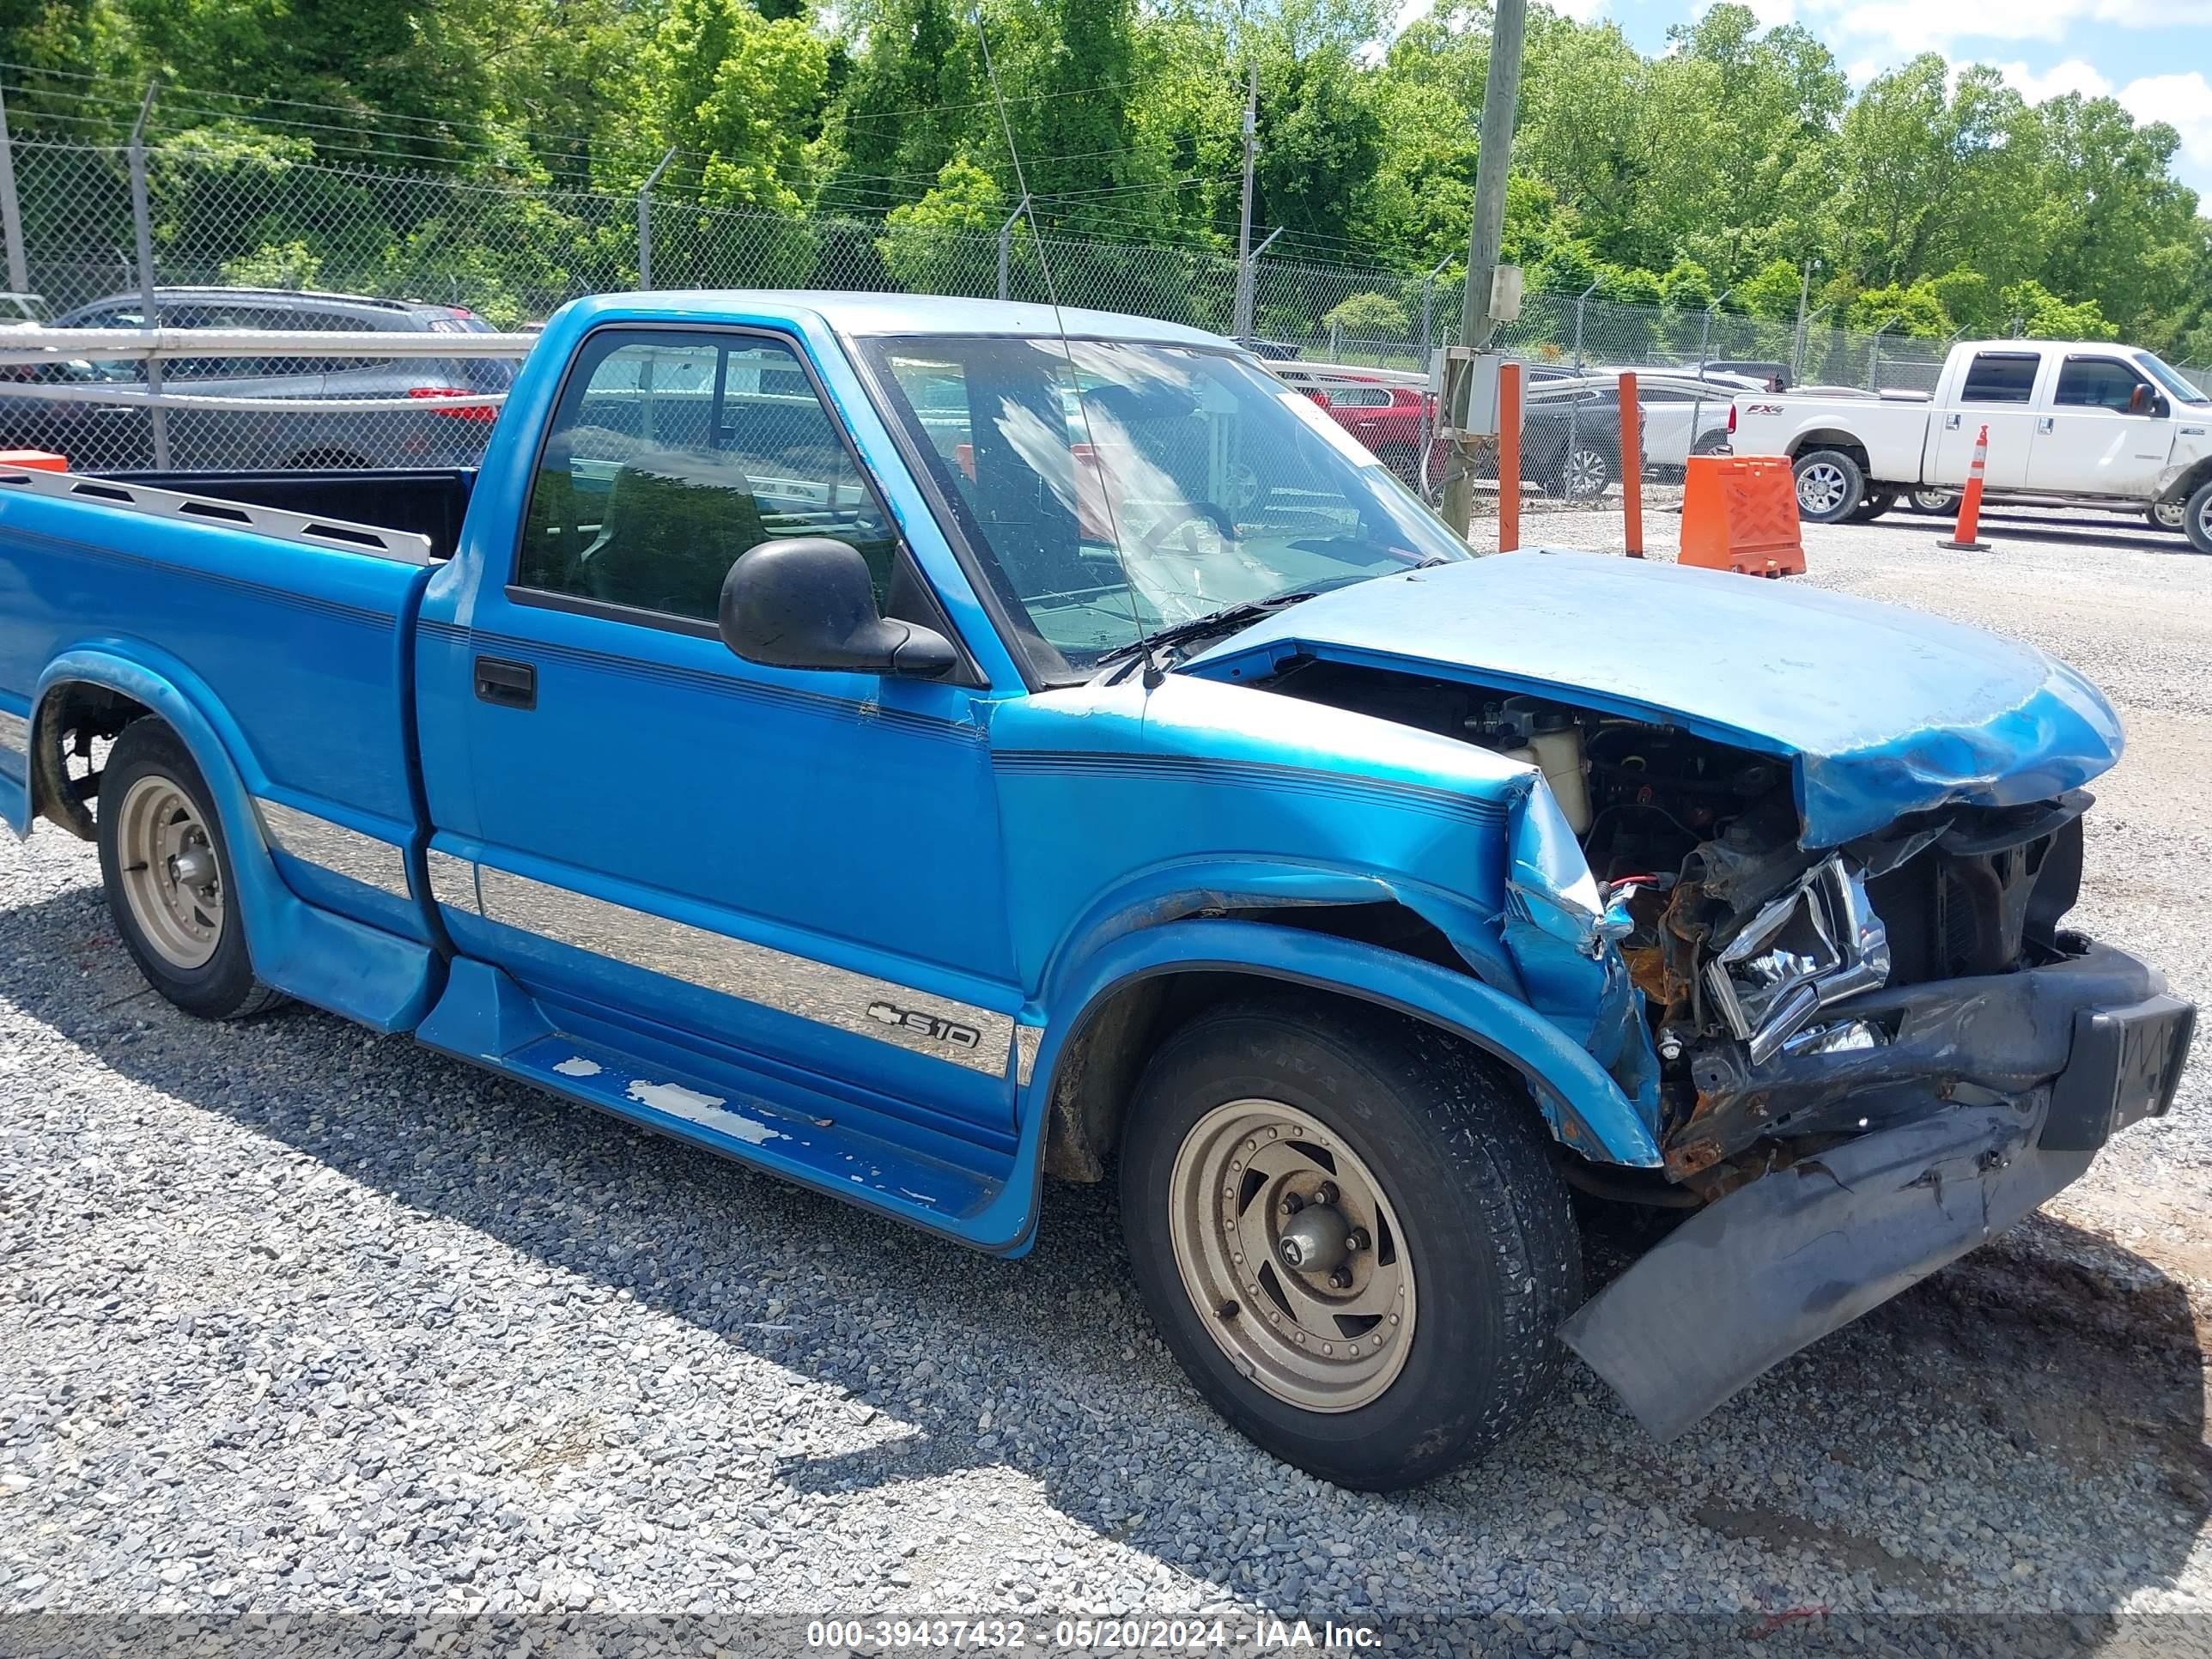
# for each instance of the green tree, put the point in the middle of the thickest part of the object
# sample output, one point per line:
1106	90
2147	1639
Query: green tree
942	243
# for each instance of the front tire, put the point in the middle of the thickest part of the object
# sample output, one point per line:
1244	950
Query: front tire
1878	501
1348	1229
1830	486
167	871
1586	473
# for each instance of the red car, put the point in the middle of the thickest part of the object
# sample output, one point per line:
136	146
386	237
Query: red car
1391	421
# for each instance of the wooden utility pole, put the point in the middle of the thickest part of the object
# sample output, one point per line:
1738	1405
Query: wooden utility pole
1501	96
1243	329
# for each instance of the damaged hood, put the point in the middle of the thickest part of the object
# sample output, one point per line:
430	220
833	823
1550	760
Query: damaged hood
1882	711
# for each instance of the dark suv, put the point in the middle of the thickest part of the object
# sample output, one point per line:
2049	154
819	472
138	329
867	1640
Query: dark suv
119	437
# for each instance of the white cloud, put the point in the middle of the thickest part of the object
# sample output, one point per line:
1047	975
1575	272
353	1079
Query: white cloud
1913	27
2183	101
2074	74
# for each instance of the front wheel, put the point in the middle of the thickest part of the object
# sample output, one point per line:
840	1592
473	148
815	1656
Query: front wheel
1877	502
1586	473
1350	1234
167	871
1830	486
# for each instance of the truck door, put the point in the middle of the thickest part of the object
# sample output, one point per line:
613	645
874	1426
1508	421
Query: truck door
1999	392
2104	433
803	867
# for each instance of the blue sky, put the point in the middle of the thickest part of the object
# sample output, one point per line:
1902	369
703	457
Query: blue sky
2156	56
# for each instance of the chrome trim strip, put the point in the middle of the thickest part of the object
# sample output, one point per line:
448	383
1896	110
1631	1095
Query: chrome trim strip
1028	1039
957	1032
16	731
333	846
452	881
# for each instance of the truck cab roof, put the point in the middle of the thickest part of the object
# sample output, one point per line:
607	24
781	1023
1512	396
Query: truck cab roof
861	313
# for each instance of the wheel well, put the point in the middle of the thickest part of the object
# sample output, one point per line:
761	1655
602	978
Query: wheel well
1841	442
66	768
1105	1055
2189	482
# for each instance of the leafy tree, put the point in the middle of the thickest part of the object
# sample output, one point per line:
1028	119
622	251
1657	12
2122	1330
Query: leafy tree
940	245
1368	317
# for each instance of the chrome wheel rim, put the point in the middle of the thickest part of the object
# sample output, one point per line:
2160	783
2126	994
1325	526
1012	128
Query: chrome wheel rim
1291	1256
171	878
2175	515
1821	488
2204	519
1932	501
1586	474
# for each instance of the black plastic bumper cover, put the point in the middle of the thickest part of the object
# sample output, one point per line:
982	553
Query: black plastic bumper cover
1776	1265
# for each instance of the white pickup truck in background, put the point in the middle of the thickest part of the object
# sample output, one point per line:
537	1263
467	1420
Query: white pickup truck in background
2069	421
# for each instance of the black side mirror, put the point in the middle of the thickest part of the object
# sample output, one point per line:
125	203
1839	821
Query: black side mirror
807	602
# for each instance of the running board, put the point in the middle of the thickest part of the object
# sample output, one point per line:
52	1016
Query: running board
803	1136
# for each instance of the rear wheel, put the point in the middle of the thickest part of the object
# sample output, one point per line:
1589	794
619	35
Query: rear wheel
2170	515
167	871
1933	501
1350	1234
2196	520
1830	486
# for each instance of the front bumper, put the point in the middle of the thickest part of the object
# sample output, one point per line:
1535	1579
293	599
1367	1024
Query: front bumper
1776	1265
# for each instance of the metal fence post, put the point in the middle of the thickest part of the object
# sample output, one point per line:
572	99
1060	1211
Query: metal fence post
142	220
1006	247
645	221
1874	355
1705	336
1248	286
1428	308
11	216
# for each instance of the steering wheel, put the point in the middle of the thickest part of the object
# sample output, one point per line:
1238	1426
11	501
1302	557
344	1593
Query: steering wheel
1190	513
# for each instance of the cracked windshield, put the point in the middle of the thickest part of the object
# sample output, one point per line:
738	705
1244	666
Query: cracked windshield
1108	486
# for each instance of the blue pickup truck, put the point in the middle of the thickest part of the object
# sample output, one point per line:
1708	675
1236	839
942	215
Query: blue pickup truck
915	747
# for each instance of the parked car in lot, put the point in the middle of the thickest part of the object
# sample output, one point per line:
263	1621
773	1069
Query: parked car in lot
799	748
1569	426
119	436
2068	421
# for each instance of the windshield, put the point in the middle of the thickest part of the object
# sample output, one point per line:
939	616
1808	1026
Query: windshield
2170	378
1108	486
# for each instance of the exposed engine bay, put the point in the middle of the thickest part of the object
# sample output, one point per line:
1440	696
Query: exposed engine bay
1774	975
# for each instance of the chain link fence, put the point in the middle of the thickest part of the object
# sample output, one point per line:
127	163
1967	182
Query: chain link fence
267	212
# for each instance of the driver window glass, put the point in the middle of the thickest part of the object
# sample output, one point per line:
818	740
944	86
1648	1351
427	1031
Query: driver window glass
2096	383
671	455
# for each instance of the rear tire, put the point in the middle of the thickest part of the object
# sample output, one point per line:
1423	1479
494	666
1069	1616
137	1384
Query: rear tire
1461	1261
1933	501
2198	526
1830	486
167	871
2169	515
1586	473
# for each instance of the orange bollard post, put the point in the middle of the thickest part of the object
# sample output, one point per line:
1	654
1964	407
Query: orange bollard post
1965	538
1632	465
1509	457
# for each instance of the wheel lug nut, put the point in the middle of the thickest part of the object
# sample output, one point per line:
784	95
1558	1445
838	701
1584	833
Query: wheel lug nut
1326	1194
1293	1203
1357	1239
1341	1278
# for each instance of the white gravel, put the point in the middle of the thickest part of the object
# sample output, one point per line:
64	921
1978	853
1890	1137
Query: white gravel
294	1319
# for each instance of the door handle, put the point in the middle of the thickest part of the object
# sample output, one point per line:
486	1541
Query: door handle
509	684
1950	423
2043	425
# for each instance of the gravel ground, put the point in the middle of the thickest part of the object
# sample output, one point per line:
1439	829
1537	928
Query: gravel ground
295	1319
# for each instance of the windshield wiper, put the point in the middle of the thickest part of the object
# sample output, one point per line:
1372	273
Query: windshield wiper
1227	620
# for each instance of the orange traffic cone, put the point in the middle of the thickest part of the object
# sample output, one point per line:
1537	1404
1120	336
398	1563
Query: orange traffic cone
1964	537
